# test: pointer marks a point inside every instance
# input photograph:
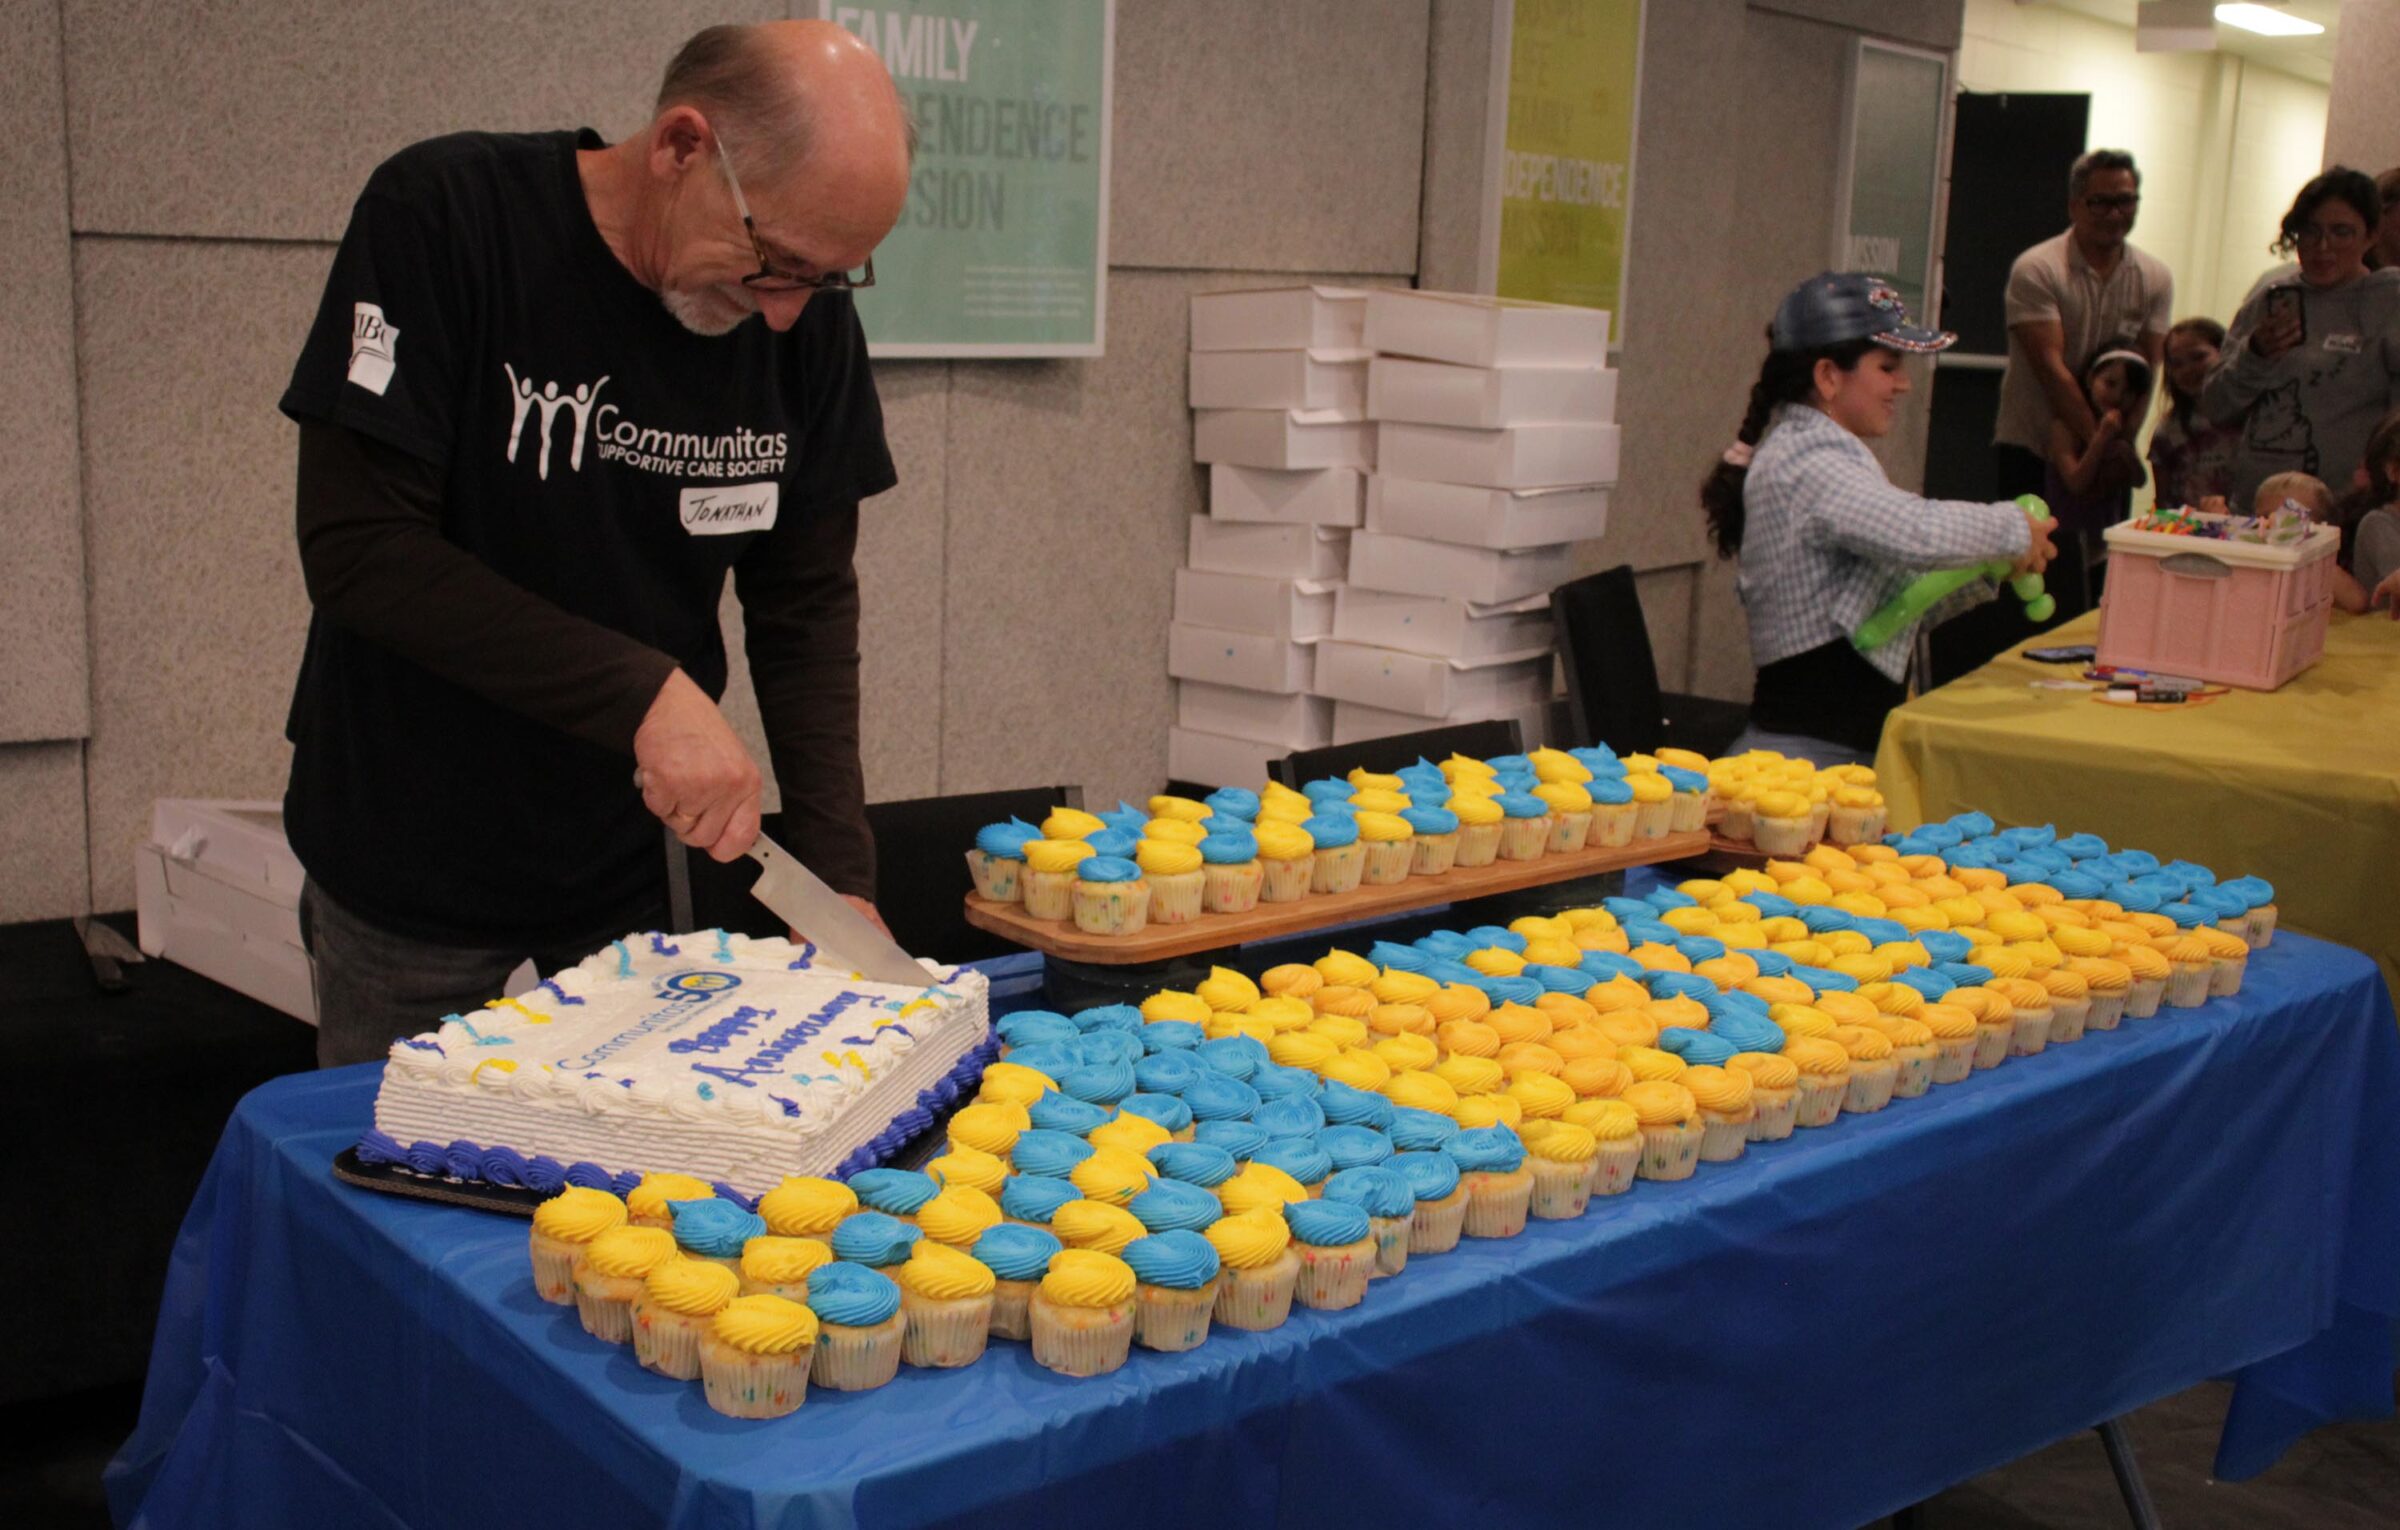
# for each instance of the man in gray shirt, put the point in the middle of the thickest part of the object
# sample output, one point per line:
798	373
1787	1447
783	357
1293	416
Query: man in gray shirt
2070	298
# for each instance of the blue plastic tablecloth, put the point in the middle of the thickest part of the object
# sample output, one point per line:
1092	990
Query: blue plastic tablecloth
1817	1334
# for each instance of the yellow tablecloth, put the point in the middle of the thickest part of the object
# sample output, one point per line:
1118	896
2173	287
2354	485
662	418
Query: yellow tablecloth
2300	786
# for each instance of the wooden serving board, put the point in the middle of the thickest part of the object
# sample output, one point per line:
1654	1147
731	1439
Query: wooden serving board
1269	921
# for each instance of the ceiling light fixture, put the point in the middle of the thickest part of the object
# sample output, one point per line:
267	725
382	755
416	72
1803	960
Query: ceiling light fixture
2267	21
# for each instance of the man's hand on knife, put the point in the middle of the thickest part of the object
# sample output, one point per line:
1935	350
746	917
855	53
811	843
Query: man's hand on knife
694	773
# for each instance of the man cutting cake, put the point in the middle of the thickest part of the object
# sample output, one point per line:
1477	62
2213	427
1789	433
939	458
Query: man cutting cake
556	390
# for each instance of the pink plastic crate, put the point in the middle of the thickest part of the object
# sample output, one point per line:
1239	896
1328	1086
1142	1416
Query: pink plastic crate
2238	613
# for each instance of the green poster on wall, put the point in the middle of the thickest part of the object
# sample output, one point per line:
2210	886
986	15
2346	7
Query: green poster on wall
1891	181
1564	177
1003	247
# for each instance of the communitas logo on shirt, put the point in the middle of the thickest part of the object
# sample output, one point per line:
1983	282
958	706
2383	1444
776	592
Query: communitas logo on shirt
737	453
372	340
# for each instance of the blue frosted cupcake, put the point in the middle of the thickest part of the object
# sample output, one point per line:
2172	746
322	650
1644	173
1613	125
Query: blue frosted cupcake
1524	826
1017	1256
1491	1162
1304	1158
1391	1208
1193	1163
1341	859
1165	1109
715	1229
1110	897
1238	1138
1336	1245
998	860
1230	875
1175	1290
860	1326
1048	1154
1441	1214
1172	1206
1031	1200
897	1193
875	1240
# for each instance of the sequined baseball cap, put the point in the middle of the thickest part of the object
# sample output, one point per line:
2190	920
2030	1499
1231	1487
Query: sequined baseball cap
1834	307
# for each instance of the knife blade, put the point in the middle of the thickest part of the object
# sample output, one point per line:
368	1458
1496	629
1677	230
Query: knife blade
842	934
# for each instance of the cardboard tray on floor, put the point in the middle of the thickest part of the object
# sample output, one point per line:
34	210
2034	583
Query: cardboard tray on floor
1269	921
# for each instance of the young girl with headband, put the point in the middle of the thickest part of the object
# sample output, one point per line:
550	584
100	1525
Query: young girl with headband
1824	538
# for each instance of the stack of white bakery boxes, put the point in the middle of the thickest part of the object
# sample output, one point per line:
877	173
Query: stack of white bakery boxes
1495	449
1279	386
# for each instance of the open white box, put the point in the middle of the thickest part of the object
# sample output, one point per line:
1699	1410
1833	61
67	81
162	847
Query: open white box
1485	398
217	890
1268	551
1478	517
1264	717
1471	330
1249	661
1296	609
1428	685
1306	496
1486	575
1515	457
1327	380
1280	318
1434	624
1354	724
1282	438
1212	759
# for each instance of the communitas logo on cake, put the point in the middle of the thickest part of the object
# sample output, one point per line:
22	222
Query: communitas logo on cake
698	985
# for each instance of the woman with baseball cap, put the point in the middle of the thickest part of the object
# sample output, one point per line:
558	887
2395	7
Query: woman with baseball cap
1823	536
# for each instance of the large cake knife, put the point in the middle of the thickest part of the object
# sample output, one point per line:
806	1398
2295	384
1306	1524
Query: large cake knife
843	936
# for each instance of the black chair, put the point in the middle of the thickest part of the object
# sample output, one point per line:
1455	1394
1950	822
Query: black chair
921	877
1481	740
1612	677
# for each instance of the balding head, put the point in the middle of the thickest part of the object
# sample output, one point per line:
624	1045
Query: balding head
805	109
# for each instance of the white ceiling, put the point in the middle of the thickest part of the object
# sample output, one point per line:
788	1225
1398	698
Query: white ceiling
2311	58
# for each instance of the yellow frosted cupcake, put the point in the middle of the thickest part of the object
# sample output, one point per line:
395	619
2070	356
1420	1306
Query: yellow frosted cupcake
1653	803
2229	955
2110	983
990	1127
1049	877
1287	858
679	1300
2190	967
1259	1187
754	1357
958	1215
1479	825
1257	1269
1083	1313
1780	821
1097	1225
1616	1142
614	1266
1914	1054
1671	1129
1570	814
1175	877
1561	1155
646	1203
1857	815
1727	1110
1112	1174
1391	848
2031	1003
1175	831
1071	823
563	1228
1774	1093
1874	1071
1953	1030
946	1302
2150	973
1110	897
2070	1003
777	1266
1995	1022
1824	1066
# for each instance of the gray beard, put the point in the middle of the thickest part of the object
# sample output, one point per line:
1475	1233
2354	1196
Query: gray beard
710	311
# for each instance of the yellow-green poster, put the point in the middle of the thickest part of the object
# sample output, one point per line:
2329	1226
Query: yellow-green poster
1565	163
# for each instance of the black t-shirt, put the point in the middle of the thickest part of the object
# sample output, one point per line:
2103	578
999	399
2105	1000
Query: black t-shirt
592	452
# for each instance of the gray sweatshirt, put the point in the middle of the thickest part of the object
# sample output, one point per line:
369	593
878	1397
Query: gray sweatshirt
2310	409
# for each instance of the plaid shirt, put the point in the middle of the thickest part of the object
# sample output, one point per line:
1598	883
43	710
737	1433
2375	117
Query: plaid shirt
1828	540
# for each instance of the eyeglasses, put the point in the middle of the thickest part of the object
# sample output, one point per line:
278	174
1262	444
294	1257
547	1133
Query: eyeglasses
2336	236
2123	201
767	278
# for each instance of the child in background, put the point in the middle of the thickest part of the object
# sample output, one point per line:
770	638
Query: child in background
2191	455
2090	484
2370	520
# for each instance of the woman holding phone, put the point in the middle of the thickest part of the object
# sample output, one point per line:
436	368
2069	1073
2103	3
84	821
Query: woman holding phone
2310	365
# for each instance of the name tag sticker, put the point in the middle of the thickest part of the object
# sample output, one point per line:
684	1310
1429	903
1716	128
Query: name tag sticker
714	512
2348	345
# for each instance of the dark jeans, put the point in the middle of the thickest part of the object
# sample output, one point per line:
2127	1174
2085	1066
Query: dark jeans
374	986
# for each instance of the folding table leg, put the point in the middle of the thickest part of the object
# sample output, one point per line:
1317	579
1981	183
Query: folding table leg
2121	1460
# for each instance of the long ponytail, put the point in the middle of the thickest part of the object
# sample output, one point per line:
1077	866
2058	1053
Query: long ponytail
1785	377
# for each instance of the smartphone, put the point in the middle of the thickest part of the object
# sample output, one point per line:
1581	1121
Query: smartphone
2286	302
2074	654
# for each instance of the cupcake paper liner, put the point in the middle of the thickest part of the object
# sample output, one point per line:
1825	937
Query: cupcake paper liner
2260	927
2031	1035
1524	839
1286	881
1670	1152
1081	1341
2225	977
1478	845
1560	1190
1391	1235
1338	869
1779	836
1497	1204
1915	1071
1569	832
1436	1226
1433	854
1048	894
1650	819
858	1359
1612	826
1992	1041
944	1335
1000	880
739	1384
1231	889
1176	899
1388	862
2187	986
1170	1320
1772	1112
1333	1278
2144	997
554	1262
1257	1300
606	1307
1618	1164
668	1342
1010	1318
1690	812
2068	1017
2107	1010
1723	1137
1111	908
1871	1086
1953	1060
1820	1098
